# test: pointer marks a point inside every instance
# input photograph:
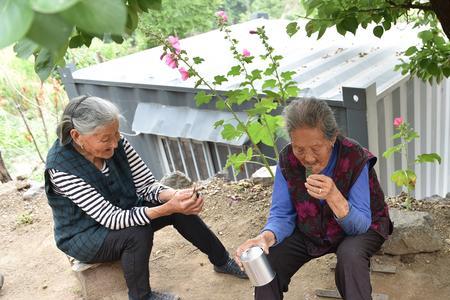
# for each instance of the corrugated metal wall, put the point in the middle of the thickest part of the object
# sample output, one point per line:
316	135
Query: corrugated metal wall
427	108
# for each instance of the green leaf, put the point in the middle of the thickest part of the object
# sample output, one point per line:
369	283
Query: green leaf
235	71
93	17
202	98
255	131
249	153
256	74
229	132
430	157
146	5
411	50
236	160
220	104
52	6
425	36
44	64
405	178
350	24
132	20
49	31
397	136
219	79
392	150
198	60
378	31
16	17
270	83
292	28
25	47
292	91
287	75
218	123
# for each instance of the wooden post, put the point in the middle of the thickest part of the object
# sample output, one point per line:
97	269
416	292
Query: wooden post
4	175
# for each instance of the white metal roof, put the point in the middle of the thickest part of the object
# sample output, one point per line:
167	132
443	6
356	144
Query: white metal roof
323	66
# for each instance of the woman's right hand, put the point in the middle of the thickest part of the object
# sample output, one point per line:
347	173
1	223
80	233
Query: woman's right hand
186	202
264	241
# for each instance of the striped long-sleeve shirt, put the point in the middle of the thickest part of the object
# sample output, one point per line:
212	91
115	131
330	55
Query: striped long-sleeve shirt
100	209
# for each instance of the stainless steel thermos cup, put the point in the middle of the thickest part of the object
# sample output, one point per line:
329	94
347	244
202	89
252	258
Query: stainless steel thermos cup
257	266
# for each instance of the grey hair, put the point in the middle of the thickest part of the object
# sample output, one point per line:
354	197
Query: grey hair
311	113
85	114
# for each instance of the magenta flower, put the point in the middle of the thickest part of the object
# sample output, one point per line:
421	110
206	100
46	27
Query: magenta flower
184	73
306	209
245	53
223	18
174	41
171	61
398	121
333	228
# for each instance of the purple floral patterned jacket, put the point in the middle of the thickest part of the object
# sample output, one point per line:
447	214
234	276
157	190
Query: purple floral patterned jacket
317	221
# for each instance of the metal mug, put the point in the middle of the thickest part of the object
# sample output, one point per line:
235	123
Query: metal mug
257	266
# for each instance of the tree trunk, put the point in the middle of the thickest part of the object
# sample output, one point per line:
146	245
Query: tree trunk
442	10
4	175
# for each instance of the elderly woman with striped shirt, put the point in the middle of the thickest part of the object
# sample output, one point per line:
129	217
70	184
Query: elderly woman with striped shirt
107	205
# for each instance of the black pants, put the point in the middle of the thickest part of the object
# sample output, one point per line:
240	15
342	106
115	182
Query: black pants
132	246
352	274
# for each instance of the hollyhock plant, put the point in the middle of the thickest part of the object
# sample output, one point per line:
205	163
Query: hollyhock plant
398	121
174	41
262	127
171	61
223	18
184	73
407	177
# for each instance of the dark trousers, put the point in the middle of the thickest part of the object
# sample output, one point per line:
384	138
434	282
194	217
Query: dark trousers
132	246
352	274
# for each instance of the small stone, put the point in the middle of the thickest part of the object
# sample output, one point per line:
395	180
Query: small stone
202	264
447	241
44	287
220	233
427	261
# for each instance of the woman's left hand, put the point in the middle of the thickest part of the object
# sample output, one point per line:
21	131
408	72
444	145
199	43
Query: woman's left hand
320	186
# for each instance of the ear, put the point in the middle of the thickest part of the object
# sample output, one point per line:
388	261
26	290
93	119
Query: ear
333	140
75	135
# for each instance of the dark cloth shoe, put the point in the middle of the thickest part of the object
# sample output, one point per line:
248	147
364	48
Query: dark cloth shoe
231	268
163	296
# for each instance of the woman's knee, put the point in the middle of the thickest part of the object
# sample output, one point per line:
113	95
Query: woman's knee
140	235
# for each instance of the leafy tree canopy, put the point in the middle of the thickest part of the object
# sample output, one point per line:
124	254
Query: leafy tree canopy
47	28
430	60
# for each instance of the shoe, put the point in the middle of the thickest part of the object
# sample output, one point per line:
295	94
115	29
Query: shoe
231	268
163	296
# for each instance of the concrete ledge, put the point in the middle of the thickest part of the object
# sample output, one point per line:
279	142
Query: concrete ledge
99	280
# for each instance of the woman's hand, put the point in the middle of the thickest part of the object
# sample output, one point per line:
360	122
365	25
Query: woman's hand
186	202
321	186
264	241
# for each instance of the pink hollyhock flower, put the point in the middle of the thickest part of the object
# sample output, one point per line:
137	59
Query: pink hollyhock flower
398	121
171	61
174	41
245	53
184	73
222	16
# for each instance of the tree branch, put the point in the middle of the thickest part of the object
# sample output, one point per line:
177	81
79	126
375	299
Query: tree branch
442	10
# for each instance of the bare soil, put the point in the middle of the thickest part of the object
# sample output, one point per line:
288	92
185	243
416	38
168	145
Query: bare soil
35	269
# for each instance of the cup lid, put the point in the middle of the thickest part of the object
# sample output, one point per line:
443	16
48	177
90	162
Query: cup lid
251	253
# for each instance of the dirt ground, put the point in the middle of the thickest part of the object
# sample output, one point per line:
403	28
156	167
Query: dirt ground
35	269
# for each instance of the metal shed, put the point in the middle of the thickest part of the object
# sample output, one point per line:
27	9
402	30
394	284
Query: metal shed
353	73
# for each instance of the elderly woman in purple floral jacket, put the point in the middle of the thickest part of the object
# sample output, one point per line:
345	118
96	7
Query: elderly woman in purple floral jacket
326	199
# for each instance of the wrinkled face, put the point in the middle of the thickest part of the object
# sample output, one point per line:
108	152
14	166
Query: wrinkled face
311	148
102	142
